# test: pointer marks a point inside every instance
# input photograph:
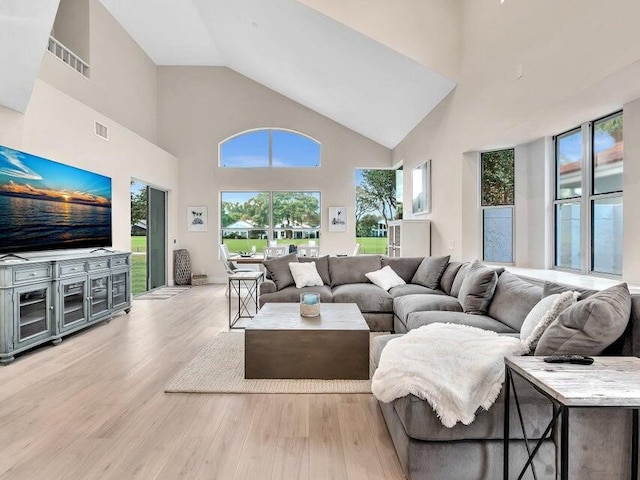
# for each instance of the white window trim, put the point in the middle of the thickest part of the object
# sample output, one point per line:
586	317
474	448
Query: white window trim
482	208
586	201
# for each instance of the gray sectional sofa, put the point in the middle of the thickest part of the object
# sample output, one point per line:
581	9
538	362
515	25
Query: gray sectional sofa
427	449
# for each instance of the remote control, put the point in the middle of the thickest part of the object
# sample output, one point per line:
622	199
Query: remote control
577	359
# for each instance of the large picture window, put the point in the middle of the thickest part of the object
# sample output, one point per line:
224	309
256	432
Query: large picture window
588	201
269	147
251	219
497	200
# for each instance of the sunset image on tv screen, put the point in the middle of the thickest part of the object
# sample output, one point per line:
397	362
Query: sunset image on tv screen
47	205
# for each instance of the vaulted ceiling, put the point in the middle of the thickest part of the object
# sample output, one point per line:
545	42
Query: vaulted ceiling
283	44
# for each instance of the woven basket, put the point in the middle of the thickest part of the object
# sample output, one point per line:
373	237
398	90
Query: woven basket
199	280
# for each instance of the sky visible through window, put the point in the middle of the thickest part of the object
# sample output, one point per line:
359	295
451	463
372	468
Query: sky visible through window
288	149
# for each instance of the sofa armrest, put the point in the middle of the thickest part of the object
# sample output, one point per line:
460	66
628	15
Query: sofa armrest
268	286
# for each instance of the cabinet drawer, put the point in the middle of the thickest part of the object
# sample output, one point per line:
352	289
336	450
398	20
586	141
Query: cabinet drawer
98	265
71	269
119	261
38	273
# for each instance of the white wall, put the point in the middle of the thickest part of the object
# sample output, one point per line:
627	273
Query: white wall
201	106
428	31
123	83
579	61
58	127
631	186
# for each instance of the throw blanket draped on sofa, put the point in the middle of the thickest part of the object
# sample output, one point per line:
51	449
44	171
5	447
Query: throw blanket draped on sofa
456	368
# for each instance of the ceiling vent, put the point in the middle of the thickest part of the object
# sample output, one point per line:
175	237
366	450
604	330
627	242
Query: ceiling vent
101	131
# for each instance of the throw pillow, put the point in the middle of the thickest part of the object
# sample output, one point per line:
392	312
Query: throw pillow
457	281
477	289
589	326
544	314
430	271
279	271
385	278
322	264
305	274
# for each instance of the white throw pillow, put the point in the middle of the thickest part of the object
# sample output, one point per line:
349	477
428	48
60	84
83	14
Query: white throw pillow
305	274
543	315
535	315
385	278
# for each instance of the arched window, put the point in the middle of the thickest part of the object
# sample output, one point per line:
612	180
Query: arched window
269	147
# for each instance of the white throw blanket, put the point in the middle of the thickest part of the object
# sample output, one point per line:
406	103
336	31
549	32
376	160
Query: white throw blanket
456	368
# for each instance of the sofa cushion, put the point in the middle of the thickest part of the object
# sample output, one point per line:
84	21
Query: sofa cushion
589	326
403	306
322	265
279	271
420	421
430	271
420	319
411	289
367	296
477	289
405	267
292	294
549	288
377	345
513	300
457	282
346	270
385	278
448	276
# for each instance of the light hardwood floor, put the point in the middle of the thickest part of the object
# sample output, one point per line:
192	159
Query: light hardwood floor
93	407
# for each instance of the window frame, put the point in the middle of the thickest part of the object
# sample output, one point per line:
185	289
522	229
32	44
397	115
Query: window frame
586	199
491	207
270	131
270	228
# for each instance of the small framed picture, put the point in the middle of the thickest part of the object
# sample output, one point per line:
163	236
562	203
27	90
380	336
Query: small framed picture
197	219
337	219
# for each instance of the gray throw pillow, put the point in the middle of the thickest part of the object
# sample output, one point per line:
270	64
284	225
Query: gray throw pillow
279	271
448	277
457	282
589	326
430	272
477	289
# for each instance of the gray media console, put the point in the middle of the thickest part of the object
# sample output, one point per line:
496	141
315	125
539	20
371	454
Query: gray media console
46	297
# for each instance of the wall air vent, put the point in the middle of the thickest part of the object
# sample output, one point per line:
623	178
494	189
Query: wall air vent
101	131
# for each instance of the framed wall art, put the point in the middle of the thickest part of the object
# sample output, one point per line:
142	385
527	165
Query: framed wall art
337	219
197	219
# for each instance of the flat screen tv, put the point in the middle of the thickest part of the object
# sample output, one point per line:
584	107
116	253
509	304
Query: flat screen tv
46	205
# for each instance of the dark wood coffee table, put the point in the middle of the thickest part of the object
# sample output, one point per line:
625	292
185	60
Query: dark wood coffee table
279	343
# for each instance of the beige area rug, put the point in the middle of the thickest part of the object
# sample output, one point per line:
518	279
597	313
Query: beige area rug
219	368
162	293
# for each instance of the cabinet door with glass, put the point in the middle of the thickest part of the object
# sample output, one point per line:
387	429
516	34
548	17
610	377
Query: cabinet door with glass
120	292
98	296
73	303
32	315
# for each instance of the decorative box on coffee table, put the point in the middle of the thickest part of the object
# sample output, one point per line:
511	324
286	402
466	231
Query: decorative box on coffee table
280	343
